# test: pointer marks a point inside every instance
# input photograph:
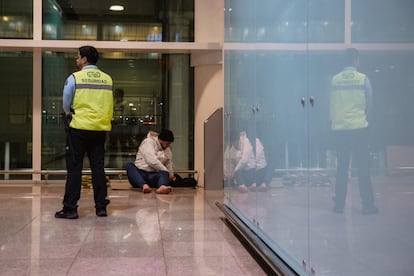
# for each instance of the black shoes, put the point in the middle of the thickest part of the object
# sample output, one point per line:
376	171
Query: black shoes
338	210
370	210
67	214
73	214
101	212
365	210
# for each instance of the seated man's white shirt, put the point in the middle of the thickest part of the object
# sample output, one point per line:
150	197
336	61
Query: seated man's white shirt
151	157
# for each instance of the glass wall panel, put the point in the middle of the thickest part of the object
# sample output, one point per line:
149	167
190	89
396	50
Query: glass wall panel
288	92
340	243
16	112
138	20
263	97
241	135
16	19
143	102
284	21
392	21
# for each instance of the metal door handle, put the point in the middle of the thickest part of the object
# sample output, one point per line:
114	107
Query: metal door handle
311	100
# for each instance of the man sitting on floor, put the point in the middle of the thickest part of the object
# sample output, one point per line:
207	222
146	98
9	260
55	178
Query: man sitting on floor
153	163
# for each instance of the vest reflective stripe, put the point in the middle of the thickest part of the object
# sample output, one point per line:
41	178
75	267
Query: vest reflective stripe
93	86
93	101
348	101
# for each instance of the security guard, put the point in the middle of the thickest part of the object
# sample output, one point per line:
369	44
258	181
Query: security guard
350	105
88	101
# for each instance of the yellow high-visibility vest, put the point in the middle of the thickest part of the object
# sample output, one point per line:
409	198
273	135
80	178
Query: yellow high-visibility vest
348	100
93	102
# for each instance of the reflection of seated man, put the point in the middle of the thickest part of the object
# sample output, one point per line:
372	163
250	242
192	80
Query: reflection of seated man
119	130
231	158
262	174
244	172
153	164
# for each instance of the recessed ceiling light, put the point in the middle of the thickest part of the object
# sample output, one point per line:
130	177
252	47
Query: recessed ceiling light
116	8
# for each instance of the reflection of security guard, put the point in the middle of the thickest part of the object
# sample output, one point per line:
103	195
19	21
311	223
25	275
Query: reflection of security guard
349	109
119	107
88	93
119	130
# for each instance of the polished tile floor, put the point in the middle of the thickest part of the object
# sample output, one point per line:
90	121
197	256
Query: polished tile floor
145	234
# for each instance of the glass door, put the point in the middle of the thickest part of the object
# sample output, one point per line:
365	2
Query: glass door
241	115
360	223
266	101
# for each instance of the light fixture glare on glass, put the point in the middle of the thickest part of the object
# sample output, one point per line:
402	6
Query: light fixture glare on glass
116	8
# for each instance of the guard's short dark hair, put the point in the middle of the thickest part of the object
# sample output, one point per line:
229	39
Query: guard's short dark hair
90	53
351	54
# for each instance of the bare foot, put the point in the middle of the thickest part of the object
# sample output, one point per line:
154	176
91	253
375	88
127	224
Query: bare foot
243	189
253	187
164	189
146	189
263	187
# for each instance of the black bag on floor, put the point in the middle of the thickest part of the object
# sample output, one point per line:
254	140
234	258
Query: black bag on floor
183	181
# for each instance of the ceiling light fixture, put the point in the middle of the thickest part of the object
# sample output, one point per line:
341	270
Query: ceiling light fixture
116	8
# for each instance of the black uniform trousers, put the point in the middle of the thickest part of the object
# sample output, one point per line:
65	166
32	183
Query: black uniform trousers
91	143
353	143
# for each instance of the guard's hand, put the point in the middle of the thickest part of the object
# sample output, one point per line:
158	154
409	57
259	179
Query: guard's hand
69	117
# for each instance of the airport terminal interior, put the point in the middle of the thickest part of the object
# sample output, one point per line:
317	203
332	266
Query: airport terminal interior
264	71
